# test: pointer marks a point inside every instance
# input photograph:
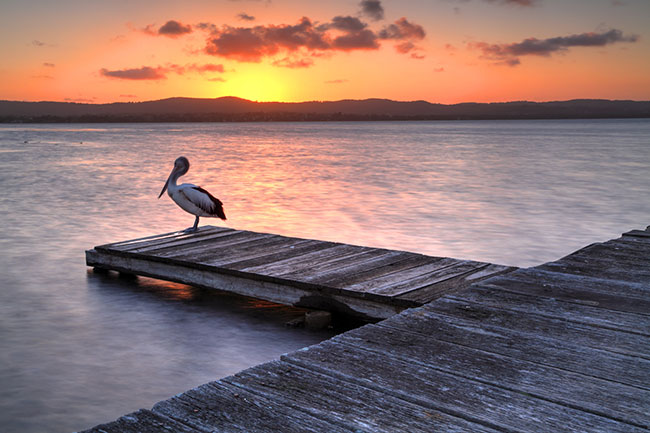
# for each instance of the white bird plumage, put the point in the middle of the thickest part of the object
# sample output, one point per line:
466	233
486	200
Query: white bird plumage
191	198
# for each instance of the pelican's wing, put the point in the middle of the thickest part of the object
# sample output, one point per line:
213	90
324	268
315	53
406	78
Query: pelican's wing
205	201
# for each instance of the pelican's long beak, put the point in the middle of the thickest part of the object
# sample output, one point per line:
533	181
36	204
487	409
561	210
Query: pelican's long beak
165	187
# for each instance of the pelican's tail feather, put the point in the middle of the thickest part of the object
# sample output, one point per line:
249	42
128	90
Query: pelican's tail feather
216	207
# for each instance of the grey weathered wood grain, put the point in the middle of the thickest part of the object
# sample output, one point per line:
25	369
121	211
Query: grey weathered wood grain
383	268
581	391
235	249
492	296
202	232
343	403
280	254
225	242
487	404
607	365
599	268
278	267
608	294
490	317
452	269
641	234
317	269
143	421
220	407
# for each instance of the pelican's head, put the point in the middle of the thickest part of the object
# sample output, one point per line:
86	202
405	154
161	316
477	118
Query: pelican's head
181	165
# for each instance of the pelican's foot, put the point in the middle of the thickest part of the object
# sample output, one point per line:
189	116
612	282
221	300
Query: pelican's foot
190	230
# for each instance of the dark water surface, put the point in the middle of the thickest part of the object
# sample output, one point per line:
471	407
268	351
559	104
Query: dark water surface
78	348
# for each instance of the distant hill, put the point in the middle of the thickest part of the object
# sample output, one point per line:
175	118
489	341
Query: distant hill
236	109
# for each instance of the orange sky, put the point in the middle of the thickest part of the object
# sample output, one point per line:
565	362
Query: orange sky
445	51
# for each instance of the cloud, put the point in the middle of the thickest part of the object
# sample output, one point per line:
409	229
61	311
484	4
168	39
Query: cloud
251	44
160	72
294	64
509	53
38	43
49	65
345	23
402	29
245	17
174	29
308	39
206	68
514	2
372	9
508	2
143	73
128	95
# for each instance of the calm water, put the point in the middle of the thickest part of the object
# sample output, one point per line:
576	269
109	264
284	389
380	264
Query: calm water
77	348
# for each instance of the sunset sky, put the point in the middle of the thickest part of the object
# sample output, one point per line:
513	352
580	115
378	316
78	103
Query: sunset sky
445	51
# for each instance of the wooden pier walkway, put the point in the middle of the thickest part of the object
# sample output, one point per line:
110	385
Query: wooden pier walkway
564	346
371	283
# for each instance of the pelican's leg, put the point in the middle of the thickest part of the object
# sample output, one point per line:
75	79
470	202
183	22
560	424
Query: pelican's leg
194	227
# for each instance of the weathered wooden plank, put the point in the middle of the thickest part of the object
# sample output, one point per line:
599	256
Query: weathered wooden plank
379	269
543	327
607	365
245	251
258	286
285	253
142	421
202	232
581	391
317	269
191	242
638	234
622	245
607	269
452	269
329	258
475	400
354	268
345	404
375	285
230	248
221	407
622	295
493	296
335	253
452	284
219	244
625	257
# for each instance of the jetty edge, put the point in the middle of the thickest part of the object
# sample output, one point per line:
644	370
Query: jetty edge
563	346
367	283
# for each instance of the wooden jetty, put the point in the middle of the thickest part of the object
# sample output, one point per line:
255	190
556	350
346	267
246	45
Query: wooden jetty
564	346
371	283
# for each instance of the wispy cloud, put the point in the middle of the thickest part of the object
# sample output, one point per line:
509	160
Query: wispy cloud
293	64
245	17
372	9
49	65
143	73
509	54
160	72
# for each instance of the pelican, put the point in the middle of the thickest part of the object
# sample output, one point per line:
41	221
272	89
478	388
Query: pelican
191	198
